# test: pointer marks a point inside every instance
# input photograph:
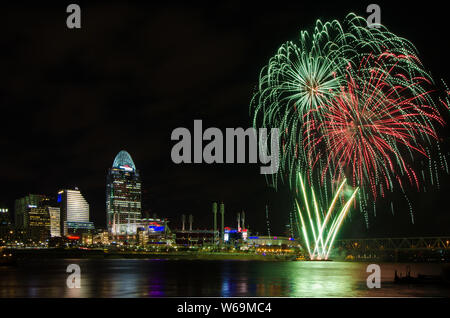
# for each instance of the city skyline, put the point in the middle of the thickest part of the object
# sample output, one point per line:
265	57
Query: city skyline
90	112
223	157
122	198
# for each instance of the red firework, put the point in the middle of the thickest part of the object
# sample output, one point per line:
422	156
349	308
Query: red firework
370	130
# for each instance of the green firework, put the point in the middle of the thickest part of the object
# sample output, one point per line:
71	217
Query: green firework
295	93
319	229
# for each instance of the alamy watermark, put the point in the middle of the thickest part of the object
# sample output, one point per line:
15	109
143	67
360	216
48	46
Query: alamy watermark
373	20
73	21
74	279
213	151
374	279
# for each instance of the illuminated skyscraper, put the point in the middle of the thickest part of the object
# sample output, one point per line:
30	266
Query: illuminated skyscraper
74	212
55	221
33	214
4	216
39	222
123	196
23	206
5	224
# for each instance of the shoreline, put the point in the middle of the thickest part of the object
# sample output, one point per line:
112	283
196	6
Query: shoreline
57	253
100	254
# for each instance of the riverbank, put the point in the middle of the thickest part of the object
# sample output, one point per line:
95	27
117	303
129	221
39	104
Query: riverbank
80	253
23	254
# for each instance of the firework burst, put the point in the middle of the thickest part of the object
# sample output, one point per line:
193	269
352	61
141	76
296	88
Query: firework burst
304	76
374	127
350	102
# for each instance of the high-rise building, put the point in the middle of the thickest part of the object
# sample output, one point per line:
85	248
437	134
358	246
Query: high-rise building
123	196
39	222
55	221
5	220
22	207
5	223
33	215
74	215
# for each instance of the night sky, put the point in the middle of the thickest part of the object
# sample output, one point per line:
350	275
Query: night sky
72	99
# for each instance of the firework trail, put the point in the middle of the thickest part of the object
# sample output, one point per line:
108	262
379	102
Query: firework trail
319	230
354	103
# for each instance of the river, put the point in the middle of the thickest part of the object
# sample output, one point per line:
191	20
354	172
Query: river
169	278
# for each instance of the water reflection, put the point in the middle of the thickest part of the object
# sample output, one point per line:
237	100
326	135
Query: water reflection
155	286
160	278
328	279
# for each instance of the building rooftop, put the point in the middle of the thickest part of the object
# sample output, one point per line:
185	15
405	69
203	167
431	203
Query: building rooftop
123	161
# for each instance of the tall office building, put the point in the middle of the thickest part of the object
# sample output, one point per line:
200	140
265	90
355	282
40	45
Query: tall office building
23	206
74	217
123	196
33	216
55	221
5	223
5	219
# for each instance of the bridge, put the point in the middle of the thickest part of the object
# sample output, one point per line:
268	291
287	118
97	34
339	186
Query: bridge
394	249
394	244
